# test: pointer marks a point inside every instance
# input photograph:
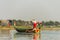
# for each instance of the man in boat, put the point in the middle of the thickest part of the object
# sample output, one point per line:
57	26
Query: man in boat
34	25
35	28
39	25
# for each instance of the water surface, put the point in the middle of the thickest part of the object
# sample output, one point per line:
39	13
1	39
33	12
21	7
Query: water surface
14	35
43	35
50	35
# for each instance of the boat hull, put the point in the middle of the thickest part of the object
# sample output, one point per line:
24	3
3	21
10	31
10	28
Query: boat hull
28	30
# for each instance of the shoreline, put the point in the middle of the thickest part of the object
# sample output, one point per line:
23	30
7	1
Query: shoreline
7	28
50	28
12	28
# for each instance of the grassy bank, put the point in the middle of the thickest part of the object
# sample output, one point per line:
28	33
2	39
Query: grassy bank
24	27
54	28
6	28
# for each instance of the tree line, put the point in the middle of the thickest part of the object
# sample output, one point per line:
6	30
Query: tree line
28	23
51	23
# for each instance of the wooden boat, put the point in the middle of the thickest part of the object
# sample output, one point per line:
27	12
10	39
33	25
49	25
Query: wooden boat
23	28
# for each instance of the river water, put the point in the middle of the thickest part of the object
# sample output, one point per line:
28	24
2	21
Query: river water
14	35
50	35
43	35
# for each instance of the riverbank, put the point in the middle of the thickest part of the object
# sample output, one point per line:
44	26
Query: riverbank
7	28
43	28
50	28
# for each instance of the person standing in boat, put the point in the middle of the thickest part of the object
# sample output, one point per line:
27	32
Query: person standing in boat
34	24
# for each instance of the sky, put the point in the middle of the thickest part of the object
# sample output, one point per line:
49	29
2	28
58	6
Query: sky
30	9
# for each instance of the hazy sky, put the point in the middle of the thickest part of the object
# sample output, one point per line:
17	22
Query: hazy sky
29	9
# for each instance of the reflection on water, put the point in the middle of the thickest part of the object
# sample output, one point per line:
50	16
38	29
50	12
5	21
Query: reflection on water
5	35
13	35
36	36
23	36
27	36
